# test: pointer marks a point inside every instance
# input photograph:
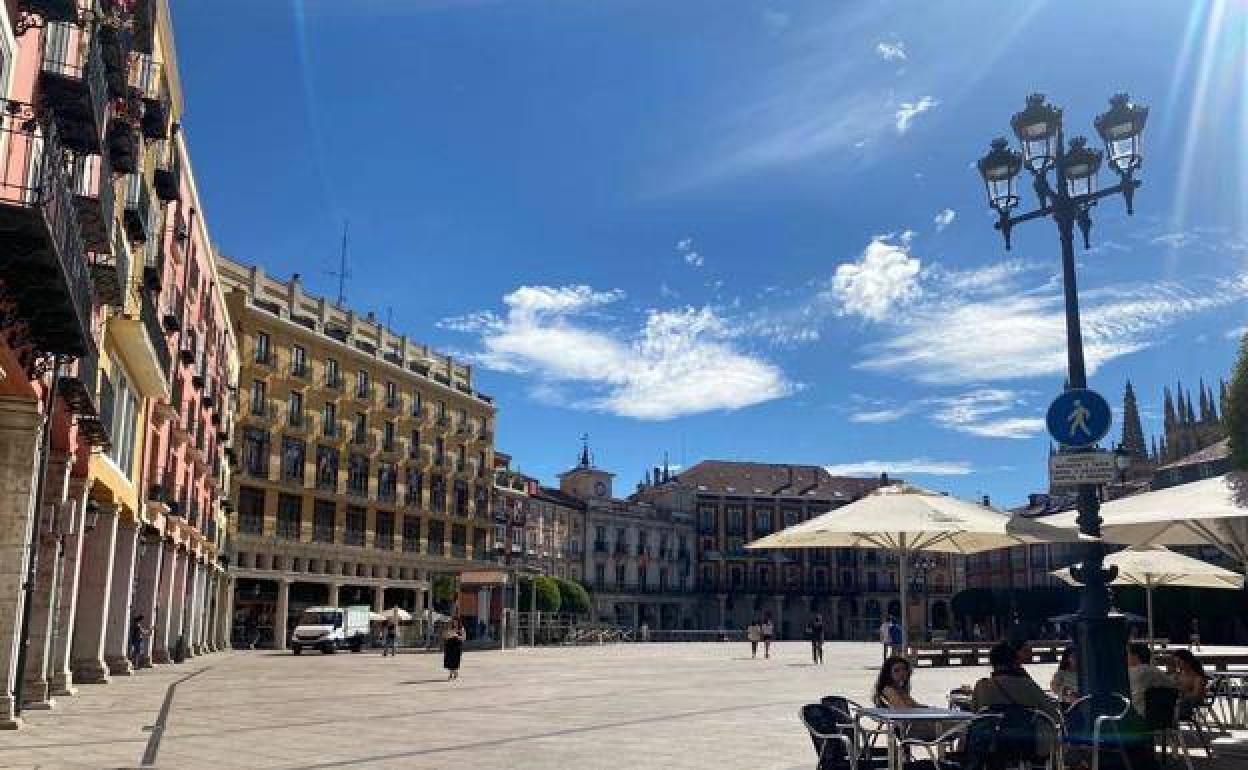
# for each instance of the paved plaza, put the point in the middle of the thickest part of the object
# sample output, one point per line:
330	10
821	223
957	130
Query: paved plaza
621	706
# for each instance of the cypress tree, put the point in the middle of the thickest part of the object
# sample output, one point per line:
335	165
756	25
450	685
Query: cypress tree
1235	412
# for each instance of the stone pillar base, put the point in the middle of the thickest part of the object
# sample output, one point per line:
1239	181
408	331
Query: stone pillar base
40	705
119	666
144	661
63	684
162	656
8	721
36	694
91	672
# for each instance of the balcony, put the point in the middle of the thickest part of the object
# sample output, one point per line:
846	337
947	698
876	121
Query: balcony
139	217
154	265
143	20
157	107
166	176
171	314
155	334
48	10
44	269
90	401
72	86
91	178
459	551
123	145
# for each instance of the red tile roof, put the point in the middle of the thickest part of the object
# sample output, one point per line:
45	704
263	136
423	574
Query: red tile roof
723	477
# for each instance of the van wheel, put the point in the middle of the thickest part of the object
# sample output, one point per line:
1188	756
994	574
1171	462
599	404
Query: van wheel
296	649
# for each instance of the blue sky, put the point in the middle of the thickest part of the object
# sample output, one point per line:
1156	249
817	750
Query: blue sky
741	230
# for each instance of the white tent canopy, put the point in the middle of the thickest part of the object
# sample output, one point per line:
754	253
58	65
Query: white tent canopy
906	520
1151	566
1207	512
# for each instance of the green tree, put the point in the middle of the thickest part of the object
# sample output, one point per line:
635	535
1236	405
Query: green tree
444	590
573	598
547	594
1236	409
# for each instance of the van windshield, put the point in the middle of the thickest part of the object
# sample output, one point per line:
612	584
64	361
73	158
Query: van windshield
321	619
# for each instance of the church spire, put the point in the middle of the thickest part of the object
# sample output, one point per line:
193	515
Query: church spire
586	461
1155	456
1191	411
1132	428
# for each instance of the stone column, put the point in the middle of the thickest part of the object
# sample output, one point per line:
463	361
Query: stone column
190	602
163	637
723	610
145	599
95	590
117	636
333	594
177	604
227	616
56	516
779	617
280	617
205	604
61	679
379	597
19	437
208	634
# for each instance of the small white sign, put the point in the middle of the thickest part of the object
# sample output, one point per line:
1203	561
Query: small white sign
1070	468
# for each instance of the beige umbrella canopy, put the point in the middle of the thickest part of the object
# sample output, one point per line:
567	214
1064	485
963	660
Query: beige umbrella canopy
1155	565
907	519
398	615
1207	512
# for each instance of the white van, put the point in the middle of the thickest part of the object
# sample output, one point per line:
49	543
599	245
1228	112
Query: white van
330	629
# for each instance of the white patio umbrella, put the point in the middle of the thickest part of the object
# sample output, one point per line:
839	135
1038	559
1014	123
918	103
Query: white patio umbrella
1151	566
398	615
1207	512
906	519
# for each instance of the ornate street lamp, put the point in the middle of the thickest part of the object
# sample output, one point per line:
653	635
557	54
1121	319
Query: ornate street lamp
1064	180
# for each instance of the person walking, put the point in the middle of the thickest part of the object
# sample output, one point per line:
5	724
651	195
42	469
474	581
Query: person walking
769	633
391	640
886	628
453	648
754	633
894	638
814	632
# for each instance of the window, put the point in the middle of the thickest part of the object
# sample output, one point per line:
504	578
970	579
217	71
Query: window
461	459
256	452
298	361
125	409
329	420
294	409
384	531
437	494
439	451
762	522
482	472
437	535
417	403
327	468
736	521
361	384
600	575
262	348
289	511
354	534
323	514
251	510
642	576
790	518
293	454
333	378
361	429
388	436
258	397
392	395
415	482
357	475
461	498
620	574
411	534
387	482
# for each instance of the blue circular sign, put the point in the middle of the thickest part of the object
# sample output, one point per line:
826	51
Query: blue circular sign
1079	418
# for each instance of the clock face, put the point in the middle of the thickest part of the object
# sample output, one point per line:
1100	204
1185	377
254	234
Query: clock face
600	489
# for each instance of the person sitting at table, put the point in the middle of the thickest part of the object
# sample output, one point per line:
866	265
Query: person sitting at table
1143	674
1191	678
892	686
1065	682
1010	685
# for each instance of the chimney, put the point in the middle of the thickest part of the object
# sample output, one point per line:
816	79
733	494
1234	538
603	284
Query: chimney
884	479
372	317
986	502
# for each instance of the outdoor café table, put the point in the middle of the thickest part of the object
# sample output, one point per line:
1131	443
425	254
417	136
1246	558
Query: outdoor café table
899	721
1230	697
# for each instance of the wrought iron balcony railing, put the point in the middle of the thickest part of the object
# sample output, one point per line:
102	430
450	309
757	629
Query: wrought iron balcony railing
72	84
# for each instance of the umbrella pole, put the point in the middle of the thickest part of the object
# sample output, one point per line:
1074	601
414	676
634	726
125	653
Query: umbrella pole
903	556
1148	601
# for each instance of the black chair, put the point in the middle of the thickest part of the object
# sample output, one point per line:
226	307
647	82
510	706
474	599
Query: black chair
1084	731
1161	717
833	739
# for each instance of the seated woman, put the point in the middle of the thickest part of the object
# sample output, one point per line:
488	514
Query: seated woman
892	686
1065	682
1191	678
1010	685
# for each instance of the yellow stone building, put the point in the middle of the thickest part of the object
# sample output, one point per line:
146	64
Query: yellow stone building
366	460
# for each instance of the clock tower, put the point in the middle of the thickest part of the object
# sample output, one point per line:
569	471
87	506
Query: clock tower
586	482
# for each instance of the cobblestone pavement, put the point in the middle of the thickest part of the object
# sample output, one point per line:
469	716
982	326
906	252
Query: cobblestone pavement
622	706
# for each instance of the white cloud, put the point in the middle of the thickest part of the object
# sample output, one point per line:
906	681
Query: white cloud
1007	427
944	219
895	51
692	257
879	415
981	412
908	111
886	276
1237	333
915	467
681	361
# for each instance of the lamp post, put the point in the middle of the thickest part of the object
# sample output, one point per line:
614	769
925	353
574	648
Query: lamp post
1064	180
920	566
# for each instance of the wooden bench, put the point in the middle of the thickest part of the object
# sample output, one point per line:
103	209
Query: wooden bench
976	653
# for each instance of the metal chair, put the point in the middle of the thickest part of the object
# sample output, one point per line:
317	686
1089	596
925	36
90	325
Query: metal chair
833	740
942	749
1116	708
1161	716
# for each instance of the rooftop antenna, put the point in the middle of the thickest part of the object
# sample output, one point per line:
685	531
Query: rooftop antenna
342	272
